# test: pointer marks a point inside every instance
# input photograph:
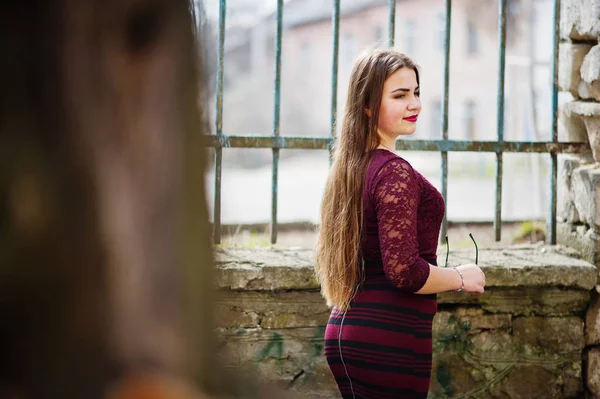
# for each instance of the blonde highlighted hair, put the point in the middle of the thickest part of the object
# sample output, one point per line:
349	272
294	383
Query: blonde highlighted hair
338	263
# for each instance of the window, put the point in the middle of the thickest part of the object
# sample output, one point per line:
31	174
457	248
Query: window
436	120
441	31
305	53
409	37
472	40
349	50
470	120
379	35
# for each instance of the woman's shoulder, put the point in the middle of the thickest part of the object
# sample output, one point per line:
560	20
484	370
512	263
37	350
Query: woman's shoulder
387	160
387	168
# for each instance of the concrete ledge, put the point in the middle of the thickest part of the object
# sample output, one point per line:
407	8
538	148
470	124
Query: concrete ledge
524	266
265	270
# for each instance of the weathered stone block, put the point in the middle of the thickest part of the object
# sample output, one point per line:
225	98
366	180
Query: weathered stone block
570	126
583	108
250	309
555	334
469	320
580	19
451	375
540	383
533	301
275	354
316	382
589	86
592	127
589	91
533	267
573	386
571	57
592	321
566	210
269	270
585	240
492	363
585	188
593	374
590	114
483	321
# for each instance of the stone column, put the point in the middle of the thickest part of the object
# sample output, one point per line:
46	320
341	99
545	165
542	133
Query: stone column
579	175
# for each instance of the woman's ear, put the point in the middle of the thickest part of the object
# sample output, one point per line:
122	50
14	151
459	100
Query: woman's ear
368	112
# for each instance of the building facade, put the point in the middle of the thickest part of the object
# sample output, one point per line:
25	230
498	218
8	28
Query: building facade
307	44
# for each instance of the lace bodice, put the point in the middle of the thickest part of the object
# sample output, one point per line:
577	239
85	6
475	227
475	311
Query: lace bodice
403	213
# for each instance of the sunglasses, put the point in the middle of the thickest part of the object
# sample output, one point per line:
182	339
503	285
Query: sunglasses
448	250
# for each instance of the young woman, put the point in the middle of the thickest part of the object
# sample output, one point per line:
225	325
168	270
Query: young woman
376	253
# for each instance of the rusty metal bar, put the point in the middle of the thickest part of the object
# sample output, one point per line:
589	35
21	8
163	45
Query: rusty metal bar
335	21
553	156
276	121
219	124
500	116
391	22
444	126
323	143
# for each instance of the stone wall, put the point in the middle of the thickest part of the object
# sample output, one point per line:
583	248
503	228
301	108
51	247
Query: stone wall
523	338
579	176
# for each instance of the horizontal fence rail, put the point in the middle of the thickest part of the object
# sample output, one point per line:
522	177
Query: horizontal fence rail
324	143
276	142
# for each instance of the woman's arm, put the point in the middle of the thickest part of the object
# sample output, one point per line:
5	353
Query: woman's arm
440	280
396	193
470	277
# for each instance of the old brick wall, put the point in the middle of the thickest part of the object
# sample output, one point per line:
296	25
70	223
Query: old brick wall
523	338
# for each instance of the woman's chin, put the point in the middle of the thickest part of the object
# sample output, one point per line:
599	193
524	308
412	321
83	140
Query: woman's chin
408	132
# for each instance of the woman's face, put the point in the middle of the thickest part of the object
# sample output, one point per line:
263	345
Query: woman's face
400	104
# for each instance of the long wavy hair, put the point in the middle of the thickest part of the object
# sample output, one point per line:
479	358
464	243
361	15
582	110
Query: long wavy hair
338	263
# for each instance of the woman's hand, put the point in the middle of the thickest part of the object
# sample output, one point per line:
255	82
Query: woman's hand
473	278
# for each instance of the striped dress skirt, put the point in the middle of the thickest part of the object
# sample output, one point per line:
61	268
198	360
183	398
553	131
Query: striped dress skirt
381	347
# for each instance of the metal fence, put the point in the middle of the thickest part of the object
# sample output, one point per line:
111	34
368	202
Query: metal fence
552	147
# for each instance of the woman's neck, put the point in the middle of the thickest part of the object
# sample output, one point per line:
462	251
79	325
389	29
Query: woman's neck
387	144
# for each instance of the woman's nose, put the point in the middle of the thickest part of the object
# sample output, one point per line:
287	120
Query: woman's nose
415	104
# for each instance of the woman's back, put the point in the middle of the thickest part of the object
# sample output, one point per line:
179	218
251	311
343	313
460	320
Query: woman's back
376	253
386	333
409	225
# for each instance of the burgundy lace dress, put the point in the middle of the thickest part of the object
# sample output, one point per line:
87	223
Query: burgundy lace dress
381	347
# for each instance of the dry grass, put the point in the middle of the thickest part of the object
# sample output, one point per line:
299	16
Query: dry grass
304	237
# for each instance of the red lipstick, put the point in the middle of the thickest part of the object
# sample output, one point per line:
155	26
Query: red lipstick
412	118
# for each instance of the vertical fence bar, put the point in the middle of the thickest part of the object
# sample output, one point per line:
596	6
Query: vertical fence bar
335	21
276	119
391	23
500	115
219	124
553	155
445	113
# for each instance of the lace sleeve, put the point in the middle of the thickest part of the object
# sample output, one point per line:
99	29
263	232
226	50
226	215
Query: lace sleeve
396	192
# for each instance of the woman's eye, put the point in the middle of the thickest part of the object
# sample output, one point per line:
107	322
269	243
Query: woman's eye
400	96
418	94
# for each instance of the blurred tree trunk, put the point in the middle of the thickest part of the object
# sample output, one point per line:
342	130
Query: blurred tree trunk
105	254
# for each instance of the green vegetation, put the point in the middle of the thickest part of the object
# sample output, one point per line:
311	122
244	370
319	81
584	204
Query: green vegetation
530	232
